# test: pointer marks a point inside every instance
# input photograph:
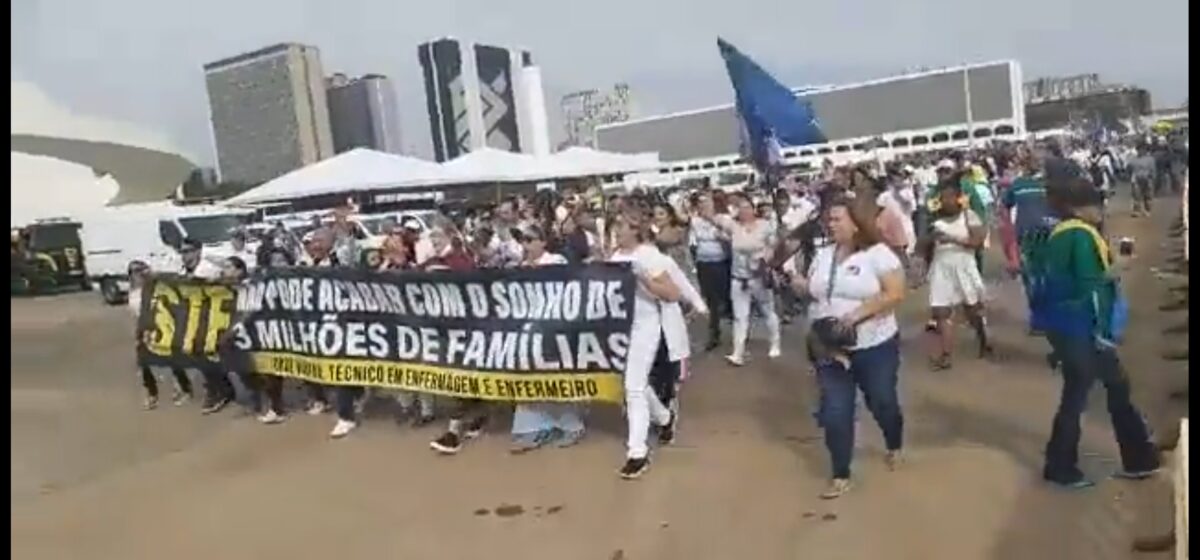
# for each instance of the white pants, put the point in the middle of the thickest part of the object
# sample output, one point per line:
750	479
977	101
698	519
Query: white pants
641	404
742	293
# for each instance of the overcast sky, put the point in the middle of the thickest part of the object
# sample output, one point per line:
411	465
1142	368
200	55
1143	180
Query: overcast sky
138	62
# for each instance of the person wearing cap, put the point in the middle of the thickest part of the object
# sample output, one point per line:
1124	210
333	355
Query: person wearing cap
1078	305
538	424
218	389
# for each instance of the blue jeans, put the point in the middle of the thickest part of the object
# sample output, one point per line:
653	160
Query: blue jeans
1083	362
873	370
531	418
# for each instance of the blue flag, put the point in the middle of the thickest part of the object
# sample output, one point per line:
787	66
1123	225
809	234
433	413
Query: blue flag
771	116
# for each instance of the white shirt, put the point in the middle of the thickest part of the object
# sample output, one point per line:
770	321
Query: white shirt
902	202
801	211
857	280
550	259
204	269
674	324
134	300
506	250
748	244
958	228
925	176
648	310
423	248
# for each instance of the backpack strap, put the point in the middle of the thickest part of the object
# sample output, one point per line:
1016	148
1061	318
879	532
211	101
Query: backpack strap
1101	244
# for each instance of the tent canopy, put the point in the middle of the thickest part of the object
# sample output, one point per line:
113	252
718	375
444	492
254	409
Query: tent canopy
588	161
490	165
358	169
368	170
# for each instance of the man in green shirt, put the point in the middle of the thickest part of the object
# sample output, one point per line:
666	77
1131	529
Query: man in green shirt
1074	305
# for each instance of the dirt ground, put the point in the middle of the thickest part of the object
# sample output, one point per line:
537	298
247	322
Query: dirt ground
93	476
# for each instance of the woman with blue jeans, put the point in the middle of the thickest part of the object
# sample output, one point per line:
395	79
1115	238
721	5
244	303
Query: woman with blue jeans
855	283
537	424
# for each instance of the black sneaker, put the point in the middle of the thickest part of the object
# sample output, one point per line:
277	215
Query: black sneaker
448	444
217	406
633	468
475	428
666	432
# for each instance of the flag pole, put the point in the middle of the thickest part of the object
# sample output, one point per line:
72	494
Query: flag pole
967	100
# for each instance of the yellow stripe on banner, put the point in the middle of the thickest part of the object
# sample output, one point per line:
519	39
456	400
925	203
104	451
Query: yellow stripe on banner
517	387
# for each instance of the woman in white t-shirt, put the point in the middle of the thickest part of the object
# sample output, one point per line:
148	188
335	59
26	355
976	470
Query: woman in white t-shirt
752	239
954	278
856	283
655	288
537	424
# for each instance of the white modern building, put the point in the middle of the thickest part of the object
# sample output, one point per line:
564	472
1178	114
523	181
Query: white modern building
944	108
481	96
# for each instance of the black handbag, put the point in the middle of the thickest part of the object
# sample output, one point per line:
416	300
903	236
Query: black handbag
825	328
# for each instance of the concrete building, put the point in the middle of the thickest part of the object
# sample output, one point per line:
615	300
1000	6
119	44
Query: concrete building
363	113
947	108
269	112
477	96
1083	101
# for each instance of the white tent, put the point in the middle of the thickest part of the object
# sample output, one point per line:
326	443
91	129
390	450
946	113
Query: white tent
358	169
490	165
587	161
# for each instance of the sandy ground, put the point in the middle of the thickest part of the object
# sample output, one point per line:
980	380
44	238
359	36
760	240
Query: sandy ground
95	477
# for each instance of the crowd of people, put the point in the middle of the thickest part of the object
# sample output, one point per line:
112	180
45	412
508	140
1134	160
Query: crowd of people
843	245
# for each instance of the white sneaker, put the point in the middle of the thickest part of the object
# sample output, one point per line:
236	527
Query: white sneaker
736	360
342	428
774	353
316	408
271	418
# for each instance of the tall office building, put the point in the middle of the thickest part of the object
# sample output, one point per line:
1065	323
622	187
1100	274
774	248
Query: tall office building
269	112
476	96
362	113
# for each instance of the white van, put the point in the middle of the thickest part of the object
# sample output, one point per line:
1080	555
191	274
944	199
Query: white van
113	237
